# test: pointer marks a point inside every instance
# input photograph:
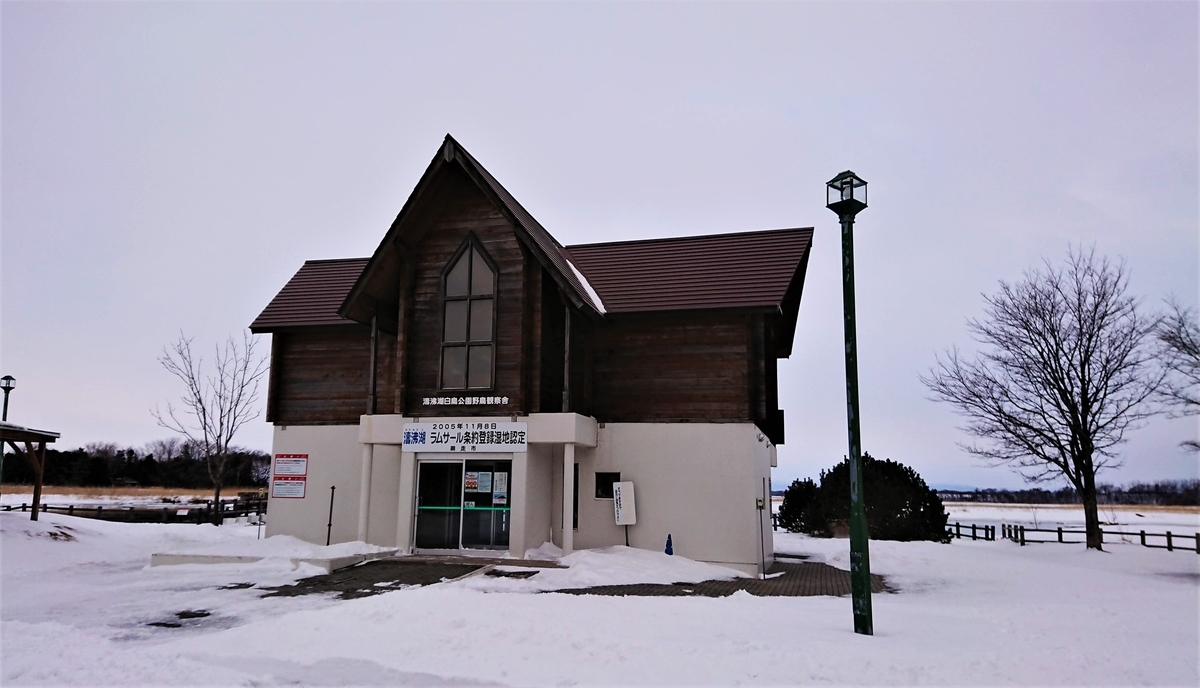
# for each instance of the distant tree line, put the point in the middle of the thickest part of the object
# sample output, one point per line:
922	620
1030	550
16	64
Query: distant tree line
163	463
1162	493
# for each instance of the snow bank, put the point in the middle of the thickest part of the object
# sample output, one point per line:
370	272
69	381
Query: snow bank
281	547
617	565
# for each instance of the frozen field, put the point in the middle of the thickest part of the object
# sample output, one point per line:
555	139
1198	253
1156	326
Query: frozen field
76	597
57	498
1148	518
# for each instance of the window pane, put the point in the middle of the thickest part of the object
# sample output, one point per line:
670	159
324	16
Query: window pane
481	275
481	367
456	322
481	320
604	484
456	279
454	367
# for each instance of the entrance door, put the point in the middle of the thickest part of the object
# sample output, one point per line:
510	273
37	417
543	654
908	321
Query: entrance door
486	504
439	505
463	504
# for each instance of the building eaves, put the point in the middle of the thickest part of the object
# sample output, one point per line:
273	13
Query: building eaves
312	296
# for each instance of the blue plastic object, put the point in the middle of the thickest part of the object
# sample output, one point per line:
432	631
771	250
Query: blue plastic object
670	550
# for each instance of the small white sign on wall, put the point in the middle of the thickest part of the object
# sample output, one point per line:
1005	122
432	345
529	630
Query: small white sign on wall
623	503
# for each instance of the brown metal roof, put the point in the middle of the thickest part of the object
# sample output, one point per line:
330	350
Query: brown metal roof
312	297
743	270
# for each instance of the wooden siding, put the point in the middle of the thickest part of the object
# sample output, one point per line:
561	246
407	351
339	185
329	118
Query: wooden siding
320	376
672	367
466	210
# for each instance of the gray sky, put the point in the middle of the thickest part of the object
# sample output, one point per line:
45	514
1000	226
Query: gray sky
169	166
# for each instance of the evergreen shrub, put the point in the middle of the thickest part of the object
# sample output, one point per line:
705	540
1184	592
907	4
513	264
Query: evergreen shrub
899	505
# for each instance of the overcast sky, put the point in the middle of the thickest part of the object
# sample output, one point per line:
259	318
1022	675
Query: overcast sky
168	166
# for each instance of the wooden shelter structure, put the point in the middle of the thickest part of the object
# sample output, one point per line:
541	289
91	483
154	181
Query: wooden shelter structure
34	453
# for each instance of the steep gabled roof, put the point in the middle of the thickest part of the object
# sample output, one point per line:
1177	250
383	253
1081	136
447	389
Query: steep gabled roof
312	296
741	270
360	304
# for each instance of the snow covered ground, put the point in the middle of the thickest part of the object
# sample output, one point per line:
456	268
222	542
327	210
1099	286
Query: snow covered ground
76	596
1124	518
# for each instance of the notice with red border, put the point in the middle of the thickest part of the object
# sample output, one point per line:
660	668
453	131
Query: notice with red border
290	478
291	464
288	487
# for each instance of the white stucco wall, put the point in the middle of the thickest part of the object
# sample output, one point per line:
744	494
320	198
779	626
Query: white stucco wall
385	490
539	493
696	481
334	459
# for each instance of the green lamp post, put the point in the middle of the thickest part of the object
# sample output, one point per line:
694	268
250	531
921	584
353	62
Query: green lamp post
846	195
7	383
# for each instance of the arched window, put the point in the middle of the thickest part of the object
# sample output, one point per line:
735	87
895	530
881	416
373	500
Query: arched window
468	319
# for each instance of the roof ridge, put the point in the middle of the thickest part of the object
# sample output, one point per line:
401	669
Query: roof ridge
336	260
720	235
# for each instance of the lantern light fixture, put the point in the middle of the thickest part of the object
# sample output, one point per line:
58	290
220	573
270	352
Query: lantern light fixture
846	194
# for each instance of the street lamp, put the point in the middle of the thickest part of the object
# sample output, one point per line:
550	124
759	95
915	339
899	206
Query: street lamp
846	195
7	383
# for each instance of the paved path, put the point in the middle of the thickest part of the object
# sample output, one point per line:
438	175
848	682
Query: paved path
800	579
789	578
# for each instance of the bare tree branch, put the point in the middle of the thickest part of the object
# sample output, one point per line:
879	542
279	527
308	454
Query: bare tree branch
1064	374
1179	350
216	404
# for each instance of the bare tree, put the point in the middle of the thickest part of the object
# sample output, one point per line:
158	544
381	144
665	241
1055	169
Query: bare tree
164	450
219	402
1179	340
1066	369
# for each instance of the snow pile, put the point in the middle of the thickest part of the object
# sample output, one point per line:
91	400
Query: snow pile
548	551
280	547
617	565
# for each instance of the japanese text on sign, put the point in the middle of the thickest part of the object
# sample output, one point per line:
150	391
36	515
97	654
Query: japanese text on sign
465	436
288	487
464	401
291	464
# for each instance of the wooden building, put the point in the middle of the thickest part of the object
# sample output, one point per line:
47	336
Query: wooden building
474	384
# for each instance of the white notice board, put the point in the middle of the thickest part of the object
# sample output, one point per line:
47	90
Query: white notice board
623	503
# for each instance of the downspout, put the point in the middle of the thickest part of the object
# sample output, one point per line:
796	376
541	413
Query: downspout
374	347
566	404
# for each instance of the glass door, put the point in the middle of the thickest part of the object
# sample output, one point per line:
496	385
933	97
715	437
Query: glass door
439	505
485	502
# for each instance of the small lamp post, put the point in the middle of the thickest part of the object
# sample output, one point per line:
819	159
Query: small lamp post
7	383
846	195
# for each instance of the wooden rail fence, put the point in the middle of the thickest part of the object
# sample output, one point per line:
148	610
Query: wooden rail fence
1172	541
977	532
167	513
